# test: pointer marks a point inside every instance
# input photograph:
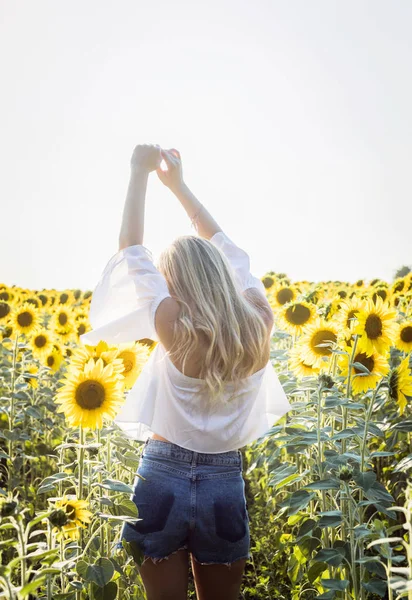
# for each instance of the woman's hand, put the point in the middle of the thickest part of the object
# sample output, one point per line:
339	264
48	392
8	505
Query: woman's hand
146	157
173	177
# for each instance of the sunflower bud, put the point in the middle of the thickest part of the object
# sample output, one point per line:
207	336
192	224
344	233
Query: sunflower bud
326	381
58	518
42	449
7	508
345	473
92	451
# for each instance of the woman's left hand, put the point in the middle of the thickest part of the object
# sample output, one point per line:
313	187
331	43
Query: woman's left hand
146	157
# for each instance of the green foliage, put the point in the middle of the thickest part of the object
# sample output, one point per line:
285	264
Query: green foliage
321	491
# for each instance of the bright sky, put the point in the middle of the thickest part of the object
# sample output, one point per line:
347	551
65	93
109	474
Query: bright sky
293	120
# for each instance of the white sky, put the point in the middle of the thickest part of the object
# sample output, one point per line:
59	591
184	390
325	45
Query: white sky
293	119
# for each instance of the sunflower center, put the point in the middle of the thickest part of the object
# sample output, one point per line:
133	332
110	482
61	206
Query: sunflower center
322	337
373	327
25	319
40	341
81	329
70	511
62	318
406	334
382	293
284	295
128	361
366	361
4	296
4	309
64	298
50	361
298	314
90	394
399	286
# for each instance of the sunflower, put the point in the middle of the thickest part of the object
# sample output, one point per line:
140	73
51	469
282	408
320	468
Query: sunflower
294	316
376	364
75	516
5	311
65	298
65	334
346	317
134	356
399	285
281	294
41	343
90	395
318	341
400	384
297	364
62	319
53	359
376	326
7	332
5	295
81	325
25	319
31	370
382	292
108	354
404	338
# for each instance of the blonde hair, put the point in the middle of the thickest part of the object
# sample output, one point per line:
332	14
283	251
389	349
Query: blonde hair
202	281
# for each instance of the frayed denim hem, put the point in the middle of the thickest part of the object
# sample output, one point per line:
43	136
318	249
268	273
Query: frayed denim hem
156	559
228	564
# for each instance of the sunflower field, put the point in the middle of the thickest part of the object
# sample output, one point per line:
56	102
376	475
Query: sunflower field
328	491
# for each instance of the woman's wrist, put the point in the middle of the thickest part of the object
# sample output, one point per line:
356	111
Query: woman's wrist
139	170
180	191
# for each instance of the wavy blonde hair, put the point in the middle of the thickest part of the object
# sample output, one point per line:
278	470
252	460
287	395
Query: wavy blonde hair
202	281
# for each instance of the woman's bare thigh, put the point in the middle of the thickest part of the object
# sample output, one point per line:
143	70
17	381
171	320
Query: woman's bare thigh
166	579
218	582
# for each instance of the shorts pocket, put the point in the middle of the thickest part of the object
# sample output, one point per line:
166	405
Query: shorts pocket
154	499
230	515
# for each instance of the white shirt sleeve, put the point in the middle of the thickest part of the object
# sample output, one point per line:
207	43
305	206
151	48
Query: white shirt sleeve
239	260
126	297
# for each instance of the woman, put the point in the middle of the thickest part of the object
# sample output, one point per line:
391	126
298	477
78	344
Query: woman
207	389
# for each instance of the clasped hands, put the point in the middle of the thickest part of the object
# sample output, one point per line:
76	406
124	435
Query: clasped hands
147	158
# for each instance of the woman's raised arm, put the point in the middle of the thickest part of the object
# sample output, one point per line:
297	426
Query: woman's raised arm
173	178
145	158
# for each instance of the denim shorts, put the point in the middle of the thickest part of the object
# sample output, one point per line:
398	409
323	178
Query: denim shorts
190	500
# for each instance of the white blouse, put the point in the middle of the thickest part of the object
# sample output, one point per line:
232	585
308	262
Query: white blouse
164	400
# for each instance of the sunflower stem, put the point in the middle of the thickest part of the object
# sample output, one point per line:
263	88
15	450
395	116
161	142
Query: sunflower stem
62	574
99	476
362	467
344	502
81	471
109	468
50	544
348	391
320	459
352	542
11	413
81	464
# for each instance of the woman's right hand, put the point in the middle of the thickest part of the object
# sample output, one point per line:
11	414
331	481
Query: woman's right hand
173	177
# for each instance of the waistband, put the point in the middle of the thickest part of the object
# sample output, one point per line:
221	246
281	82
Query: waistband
160	448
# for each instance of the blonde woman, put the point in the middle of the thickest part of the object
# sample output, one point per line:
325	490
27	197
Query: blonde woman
207	390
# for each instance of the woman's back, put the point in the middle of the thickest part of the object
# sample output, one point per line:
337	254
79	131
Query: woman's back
196	358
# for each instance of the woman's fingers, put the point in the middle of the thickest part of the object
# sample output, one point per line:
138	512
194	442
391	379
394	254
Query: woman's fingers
169	158
175	152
